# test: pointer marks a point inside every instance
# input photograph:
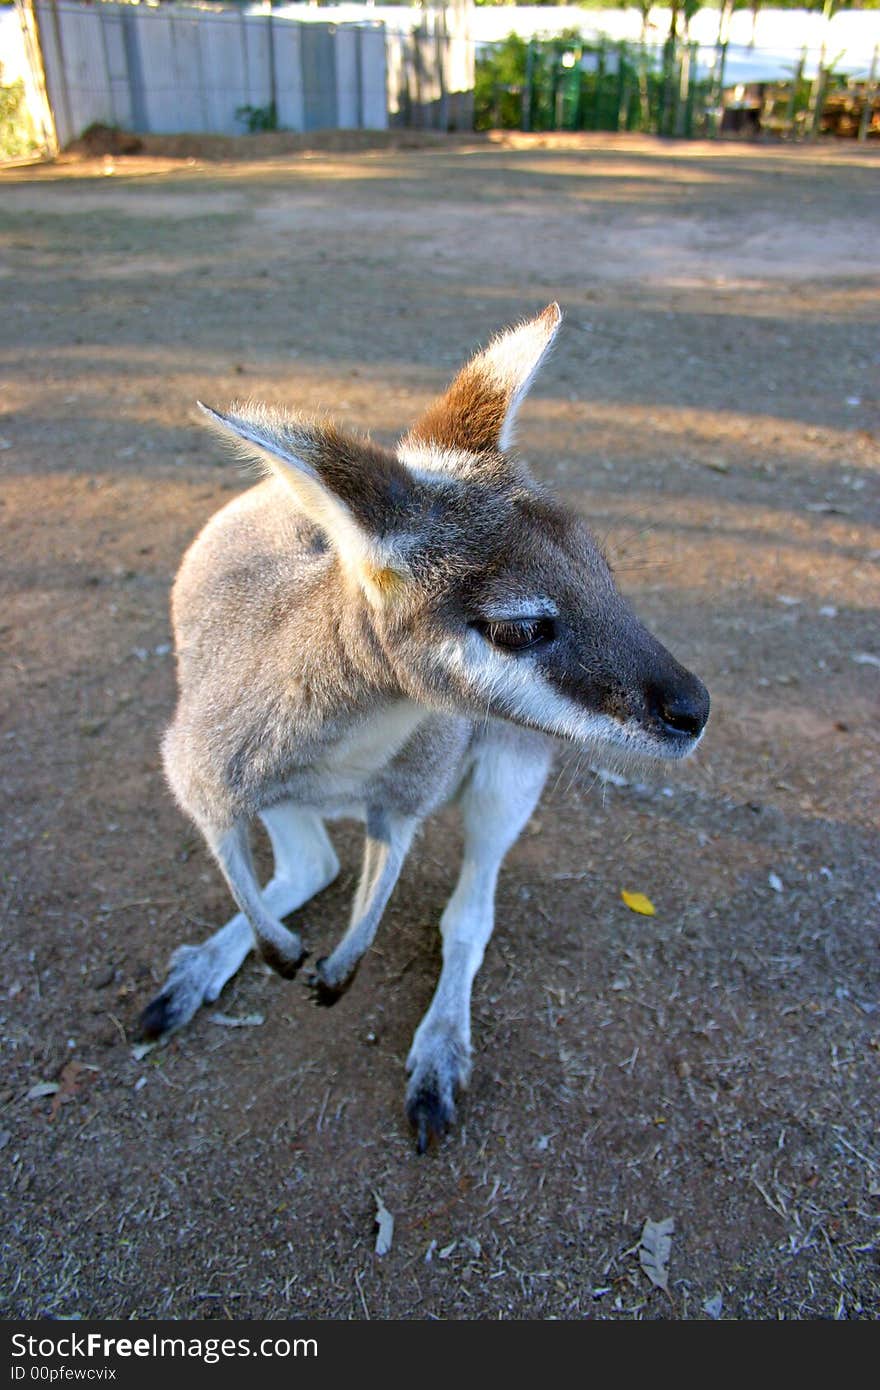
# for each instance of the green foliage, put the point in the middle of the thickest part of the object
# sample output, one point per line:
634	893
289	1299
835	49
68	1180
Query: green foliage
807	5
258	118
581	4
738	5
500	77
16	137
645	5
571	83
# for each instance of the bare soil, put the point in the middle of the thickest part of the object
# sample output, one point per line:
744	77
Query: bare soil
713	408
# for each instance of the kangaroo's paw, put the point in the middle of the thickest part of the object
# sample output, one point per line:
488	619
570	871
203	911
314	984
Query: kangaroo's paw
439	1068
196	977
284	960
324	990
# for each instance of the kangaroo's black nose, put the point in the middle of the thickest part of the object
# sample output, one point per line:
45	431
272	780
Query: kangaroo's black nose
682	709
681	717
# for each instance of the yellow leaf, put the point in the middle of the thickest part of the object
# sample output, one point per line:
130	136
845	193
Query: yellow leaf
637	902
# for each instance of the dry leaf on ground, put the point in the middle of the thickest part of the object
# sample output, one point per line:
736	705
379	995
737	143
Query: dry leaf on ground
43	1088
70	1079
654	1247
637	902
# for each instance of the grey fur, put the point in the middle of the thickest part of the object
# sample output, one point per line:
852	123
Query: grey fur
339	654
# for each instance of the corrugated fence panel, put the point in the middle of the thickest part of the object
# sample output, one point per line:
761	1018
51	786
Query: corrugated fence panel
289	95
188	112
256	43
112	22
156	43
348	79
374	100
319	77
85	69
223	72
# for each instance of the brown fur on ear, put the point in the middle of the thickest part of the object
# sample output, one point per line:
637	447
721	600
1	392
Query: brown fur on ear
469	416
478	411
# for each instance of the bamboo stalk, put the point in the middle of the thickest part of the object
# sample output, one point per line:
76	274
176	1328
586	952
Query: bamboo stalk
817	95
870	96
795	88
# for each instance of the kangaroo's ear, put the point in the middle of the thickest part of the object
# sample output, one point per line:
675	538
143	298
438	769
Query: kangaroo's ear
357	493
479	409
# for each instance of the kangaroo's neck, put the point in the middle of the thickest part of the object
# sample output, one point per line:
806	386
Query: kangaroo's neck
338	670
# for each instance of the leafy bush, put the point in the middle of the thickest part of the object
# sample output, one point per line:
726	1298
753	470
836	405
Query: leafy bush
16	136
500	76
258	118
568	82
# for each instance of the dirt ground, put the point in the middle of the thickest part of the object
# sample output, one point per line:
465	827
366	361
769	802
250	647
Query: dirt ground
713	408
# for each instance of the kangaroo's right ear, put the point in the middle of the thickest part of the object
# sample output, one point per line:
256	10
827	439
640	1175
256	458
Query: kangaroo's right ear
478	411
355	492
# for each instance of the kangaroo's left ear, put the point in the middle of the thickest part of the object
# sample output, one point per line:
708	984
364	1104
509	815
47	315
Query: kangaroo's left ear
357	493
478	411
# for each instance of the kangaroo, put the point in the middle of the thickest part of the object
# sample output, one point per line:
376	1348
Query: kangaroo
370	633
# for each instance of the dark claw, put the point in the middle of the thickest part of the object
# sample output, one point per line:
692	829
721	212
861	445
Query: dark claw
429	1116
156	1019
324	995
287	969
423	1138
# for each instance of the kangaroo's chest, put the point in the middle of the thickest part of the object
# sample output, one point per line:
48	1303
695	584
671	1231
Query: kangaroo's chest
370	745
339	773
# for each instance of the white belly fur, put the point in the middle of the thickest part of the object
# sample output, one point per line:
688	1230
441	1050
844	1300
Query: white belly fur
371	745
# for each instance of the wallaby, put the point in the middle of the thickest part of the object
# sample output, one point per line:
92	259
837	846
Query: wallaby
370	633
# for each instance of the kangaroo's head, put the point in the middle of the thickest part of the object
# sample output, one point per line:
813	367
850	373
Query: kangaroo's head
486	595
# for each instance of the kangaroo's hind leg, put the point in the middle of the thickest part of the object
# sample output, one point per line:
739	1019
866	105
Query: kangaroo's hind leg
388	840
499	796
305	862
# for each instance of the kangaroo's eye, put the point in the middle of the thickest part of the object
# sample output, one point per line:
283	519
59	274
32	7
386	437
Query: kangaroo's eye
516	634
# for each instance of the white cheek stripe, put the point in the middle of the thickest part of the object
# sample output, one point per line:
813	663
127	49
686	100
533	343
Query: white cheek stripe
519	691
